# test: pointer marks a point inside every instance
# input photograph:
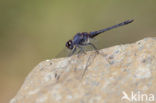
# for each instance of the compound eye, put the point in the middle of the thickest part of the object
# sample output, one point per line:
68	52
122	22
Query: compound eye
69	44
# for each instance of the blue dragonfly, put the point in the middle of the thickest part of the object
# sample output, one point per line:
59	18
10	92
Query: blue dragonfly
83	39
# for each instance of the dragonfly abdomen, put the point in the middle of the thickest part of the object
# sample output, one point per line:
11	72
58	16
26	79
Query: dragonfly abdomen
95	33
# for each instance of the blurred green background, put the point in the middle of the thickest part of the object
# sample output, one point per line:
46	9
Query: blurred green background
35	30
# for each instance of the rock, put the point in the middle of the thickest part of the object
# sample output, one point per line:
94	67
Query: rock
119	74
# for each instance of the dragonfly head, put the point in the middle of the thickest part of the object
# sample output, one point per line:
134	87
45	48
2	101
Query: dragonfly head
69	44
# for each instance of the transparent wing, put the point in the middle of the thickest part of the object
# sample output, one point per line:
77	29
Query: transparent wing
63	53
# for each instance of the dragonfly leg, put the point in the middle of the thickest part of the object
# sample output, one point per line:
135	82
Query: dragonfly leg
73	51
92	45
81	50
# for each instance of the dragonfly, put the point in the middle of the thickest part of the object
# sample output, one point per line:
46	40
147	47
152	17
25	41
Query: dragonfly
83	39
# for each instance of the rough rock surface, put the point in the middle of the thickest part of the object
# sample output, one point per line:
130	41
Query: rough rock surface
104	77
